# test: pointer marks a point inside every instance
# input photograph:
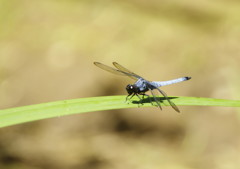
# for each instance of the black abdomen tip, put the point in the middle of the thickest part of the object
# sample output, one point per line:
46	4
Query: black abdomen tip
187	78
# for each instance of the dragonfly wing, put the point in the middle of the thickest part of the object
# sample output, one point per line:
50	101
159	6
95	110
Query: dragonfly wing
112	70
169	101
155	98
120	67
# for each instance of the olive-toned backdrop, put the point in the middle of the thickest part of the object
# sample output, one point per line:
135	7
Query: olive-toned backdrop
47	50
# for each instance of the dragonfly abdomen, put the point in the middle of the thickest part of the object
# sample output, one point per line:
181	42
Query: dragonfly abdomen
169	82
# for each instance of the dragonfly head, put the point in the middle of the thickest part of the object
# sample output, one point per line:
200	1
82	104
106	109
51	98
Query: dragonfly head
131	89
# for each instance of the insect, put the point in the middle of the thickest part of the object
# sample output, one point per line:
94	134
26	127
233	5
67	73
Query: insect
142	85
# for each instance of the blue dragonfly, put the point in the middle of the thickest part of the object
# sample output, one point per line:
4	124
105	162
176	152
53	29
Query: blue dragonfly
141	86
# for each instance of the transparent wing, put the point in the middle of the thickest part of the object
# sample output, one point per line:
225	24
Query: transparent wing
120	67
169	101
155	98
116	71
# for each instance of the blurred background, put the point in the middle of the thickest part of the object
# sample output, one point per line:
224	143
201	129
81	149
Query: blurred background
47	50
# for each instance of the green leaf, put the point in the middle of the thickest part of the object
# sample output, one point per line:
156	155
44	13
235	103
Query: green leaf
29	113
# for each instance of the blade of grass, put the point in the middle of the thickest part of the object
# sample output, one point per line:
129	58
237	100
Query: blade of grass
29	113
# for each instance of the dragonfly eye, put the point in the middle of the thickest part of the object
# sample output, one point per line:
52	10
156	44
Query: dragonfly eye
130	89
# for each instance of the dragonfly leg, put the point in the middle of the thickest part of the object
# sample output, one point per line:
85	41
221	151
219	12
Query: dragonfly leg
149	98
127	98
155	99
143	94
140	100
130	95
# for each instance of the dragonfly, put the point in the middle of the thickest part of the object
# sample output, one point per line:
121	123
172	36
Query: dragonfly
141	85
